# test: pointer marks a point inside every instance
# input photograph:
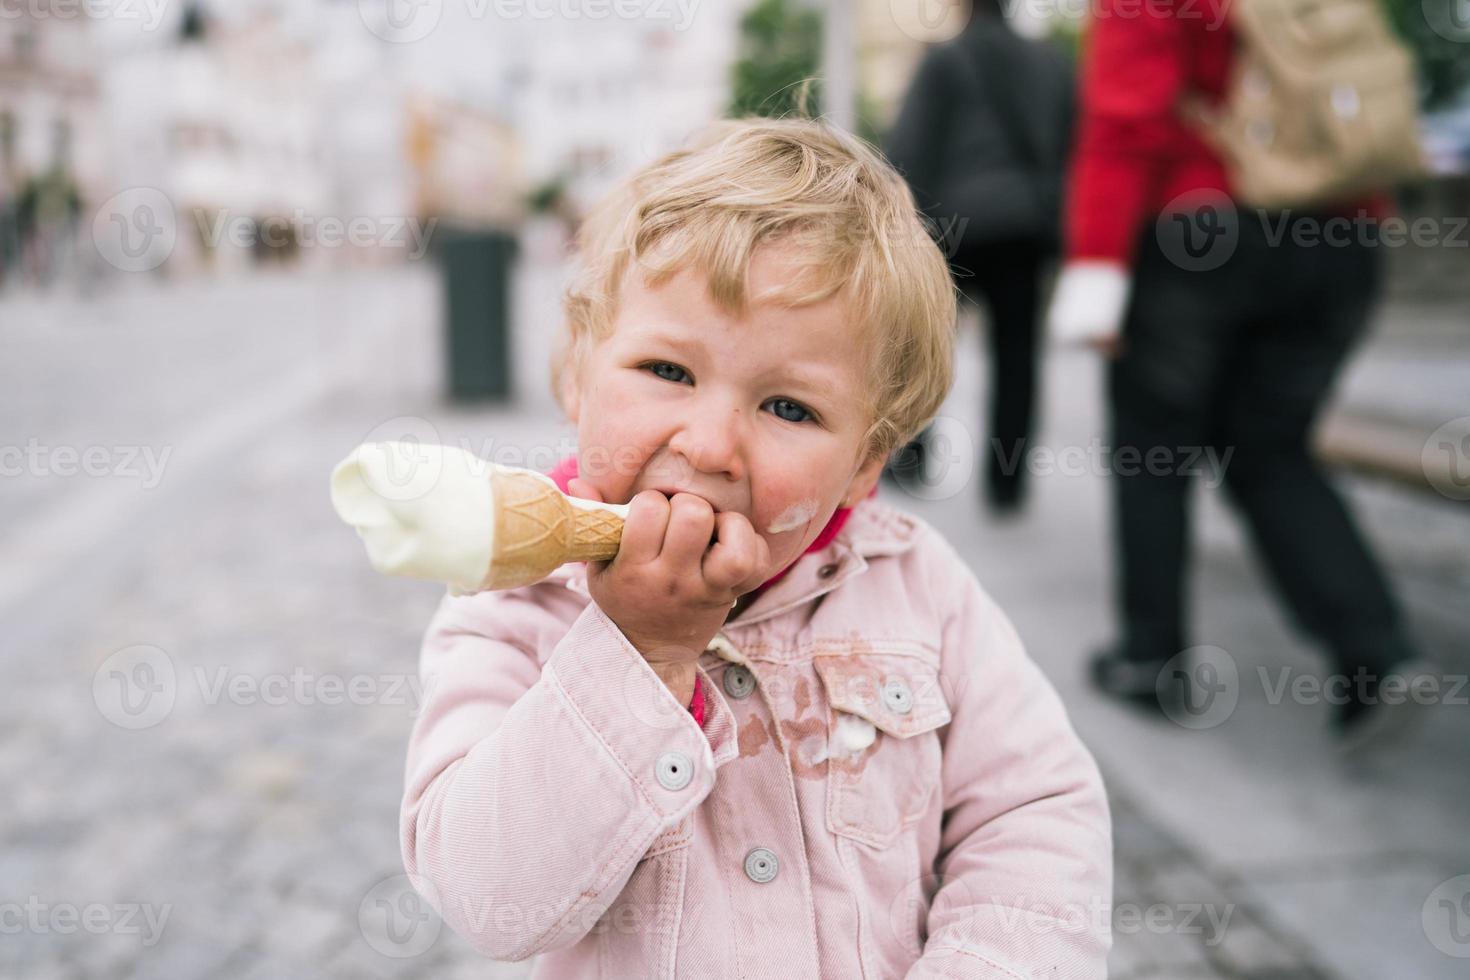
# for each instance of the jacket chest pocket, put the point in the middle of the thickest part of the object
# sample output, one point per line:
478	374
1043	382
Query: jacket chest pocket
883	743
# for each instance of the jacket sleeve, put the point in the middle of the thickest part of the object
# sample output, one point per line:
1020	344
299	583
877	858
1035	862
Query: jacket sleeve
532	791
1135	68
1025	858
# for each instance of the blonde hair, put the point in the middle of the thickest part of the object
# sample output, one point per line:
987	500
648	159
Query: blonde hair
740	184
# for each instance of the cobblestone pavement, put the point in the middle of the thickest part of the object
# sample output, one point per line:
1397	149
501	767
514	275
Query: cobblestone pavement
240	819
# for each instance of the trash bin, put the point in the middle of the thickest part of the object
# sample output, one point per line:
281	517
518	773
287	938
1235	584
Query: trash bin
476	265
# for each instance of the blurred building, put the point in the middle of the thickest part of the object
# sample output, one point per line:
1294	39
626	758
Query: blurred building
51	146
593	100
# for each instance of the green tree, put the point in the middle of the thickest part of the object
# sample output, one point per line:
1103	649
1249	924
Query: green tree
779	64
1440	37
780	47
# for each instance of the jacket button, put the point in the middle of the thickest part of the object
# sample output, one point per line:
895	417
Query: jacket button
761	865
827	571
897	697
674	770
739	681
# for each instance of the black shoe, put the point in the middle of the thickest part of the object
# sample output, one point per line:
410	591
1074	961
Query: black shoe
1130	679
1377	712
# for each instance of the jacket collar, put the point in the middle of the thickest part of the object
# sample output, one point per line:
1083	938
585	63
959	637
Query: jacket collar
873	530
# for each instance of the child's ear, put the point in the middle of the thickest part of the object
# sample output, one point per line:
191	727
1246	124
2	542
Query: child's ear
863	481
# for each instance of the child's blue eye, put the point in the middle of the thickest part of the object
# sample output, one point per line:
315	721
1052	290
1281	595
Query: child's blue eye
800	413
667	371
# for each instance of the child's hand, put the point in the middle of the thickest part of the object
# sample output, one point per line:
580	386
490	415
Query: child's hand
670	588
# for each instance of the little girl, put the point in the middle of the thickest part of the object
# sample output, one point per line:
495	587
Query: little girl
784	733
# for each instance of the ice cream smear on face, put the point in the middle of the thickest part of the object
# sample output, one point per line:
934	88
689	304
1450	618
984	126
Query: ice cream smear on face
797	515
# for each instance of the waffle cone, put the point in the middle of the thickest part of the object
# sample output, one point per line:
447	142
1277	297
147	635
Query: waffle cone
538	529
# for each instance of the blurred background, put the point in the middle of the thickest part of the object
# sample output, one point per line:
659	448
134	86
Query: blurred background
239	238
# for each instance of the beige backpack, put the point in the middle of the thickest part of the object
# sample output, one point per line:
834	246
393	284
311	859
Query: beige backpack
1322	102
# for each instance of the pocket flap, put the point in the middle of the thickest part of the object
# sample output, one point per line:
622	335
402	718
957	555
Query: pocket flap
899	694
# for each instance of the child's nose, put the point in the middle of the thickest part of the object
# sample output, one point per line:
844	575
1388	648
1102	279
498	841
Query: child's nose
712	441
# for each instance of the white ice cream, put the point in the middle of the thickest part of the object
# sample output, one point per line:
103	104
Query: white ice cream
793	517
423	511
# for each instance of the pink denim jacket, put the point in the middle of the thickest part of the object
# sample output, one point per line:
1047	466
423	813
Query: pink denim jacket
885	785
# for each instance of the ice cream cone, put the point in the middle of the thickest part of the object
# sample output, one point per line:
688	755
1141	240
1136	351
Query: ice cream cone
442	514
538	528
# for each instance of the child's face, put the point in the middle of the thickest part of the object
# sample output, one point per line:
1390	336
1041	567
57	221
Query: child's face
757	414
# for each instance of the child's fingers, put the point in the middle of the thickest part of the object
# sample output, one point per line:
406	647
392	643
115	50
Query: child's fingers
691	524
643	532
581	488
739	556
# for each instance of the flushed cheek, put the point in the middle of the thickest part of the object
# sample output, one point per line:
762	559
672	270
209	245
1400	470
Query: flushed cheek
612	453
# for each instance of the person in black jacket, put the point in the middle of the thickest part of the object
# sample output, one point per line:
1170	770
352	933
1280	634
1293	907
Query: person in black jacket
982	137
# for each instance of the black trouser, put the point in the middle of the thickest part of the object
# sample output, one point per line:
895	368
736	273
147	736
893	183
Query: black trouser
1006	278
1239	359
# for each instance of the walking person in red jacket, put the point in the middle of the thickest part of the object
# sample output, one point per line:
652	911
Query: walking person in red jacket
1226	327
